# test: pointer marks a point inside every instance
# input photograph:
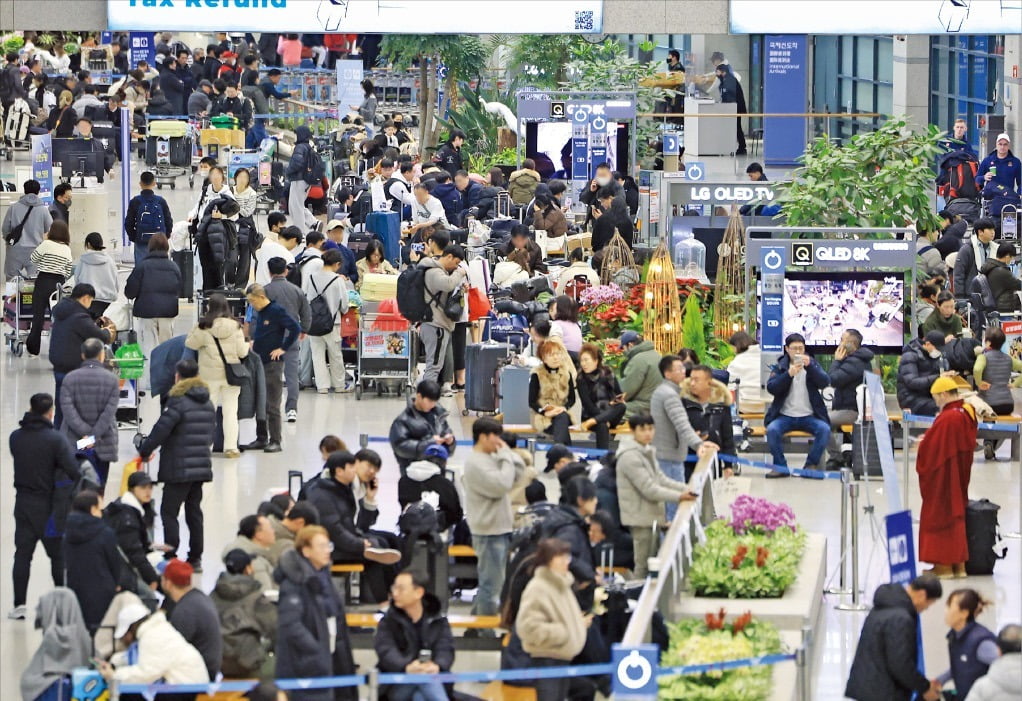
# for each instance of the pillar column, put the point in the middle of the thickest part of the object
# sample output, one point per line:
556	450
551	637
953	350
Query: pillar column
1011	90
911	89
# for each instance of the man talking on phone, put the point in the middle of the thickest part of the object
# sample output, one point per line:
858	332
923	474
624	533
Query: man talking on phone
796	382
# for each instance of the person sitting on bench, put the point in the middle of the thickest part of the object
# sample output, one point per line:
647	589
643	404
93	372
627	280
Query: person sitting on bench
708	404
796	383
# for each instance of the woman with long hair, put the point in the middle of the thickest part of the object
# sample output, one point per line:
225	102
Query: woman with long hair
52	258
547	216
367	110
552	391
247	197
374	262
564	324
219	340
600	394
63	118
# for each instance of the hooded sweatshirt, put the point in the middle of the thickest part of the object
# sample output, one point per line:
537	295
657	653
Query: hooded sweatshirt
299	156
99	270
65	644
522	185
93	564
36	224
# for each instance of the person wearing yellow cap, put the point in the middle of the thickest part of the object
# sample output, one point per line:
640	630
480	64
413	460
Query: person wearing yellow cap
944	466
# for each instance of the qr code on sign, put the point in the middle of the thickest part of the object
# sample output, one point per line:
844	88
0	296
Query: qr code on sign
583	20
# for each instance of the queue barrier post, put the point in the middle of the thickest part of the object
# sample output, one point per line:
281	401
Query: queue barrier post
803	660
853	505
846	479
373	679
363	440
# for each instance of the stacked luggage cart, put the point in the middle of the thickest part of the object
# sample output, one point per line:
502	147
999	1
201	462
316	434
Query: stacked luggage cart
168	150
18	314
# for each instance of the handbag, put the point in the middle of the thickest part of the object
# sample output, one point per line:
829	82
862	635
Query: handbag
478	304
237	373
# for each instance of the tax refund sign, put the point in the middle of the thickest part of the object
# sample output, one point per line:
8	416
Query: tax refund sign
358	16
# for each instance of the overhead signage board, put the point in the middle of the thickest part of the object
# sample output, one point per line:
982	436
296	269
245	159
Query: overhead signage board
360	16
875	17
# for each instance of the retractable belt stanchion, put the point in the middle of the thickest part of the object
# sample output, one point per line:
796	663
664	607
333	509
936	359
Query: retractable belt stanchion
853	506
846	479
803	665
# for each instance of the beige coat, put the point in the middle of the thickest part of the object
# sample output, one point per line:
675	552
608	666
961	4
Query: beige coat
550	622
232	340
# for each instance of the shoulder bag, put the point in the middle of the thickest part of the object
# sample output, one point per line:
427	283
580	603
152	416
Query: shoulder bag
237	373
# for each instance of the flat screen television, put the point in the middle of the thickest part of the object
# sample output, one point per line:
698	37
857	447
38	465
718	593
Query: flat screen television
820	306
548	143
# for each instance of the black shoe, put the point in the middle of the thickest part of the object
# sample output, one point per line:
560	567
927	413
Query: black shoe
257	444
776	474
835	464
272	447
741	152
196	566
988	451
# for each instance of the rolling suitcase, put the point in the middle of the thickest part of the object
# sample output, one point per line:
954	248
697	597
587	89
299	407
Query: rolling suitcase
186	264
173	151
167	128
985	543
387	228
513	392
19	118
482	361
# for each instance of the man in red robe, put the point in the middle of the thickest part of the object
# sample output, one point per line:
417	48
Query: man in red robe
944	465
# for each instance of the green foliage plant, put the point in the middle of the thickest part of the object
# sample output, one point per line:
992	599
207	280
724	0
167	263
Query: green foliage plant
714	572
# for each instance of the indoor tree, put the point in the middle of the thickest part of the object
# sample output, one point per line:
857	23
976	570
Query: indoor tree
464	57
882	178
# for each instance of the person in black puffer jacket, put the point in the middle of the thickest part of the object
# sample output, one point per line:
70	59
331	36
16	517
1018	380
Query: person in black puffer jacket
414	428
184	432
952	234
851	362
91	557
218	241
568	523
922	362
132	517
155	287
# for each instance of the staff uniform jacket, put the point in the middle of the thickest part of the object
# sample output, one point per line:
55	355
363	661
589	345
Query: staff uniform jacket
88	399
155	287
163	653
642	489
184	433
413	430
303	637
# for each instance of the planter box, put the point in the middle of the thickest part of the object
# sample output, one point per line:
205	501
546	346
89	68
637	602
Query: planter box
799	604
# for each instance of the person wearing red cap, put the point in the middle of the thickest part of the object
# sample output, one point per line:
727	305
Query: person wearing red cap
193	614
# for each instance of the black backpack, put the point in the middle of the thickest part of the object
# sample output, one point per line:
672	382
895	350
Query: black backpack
294	272
979	290
411	294
983	535
315	169
322	318
66	489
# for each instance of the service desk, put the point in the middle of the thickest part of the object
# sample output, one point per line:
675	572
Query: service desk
712	136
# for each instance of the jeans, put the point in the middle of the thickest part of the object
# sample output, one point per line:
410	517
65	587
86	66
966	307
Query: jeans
58	415
291	359
141	249
551	689
434	342
491	553
45	285
676	471
430	691
174	495
29	529
810	424
274	371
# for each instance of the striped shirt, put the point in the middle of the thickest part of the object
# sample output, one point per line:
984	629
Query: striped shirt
52	257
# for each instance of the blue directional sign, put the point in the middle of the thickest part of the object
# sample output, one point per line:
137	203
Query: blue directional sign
635	671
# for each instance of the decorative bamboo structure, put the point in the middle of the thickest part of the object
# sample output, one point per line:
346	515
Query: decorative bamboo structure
618	265
729	290
661	321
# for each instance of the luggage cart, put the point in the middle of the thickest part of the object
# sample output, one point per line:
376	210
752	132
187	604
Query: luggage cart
386	354
14	130
169	151
236	300
129	372
18	314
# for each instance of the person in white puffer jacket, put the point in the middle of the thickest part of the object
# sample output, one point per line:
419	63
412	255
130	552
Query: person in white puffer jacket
1003	681
162	652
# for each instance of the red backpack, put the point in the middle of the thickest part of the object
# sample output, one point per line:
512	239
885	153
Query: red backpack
575	287
959	178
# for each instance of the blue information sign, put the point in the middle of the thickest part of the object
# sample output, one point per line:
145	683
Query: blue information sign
42	165
785	89
672	145
635	671
141	47
773	261
901	552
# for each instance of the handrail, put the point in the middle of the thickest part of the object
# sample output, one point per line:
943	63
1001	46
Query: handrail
670	554
813	115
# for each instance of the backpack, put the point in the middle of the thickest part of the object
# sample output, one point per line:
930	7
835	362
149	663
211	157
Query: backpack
322	318
294	274
149	217
315	169
575	287
243	653
979	290
958	177
411	294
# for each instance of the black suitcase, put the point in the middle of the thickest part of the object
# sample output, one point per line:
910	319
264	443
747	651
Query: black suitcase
186	264
482	361
178	152
865	452
981	531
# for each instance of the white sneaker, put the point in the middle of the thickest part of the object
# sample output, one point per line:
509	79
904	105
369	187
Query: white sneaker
292	416
325	390
385	556
18	613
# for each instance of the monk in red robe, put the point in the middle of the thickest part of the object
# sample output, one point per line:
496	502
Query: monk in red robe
944	465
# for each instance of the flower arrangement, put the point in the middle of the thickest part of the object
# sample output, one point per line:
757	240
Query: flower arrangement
753	514
713	639
598	295
758	559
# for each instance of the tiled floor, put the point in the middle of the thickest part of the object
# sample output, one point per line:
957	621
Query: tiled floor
239	485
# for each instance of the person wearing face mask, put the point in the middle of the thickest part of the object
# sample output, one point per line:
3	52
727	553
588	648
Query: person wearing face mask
604	178
922	362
